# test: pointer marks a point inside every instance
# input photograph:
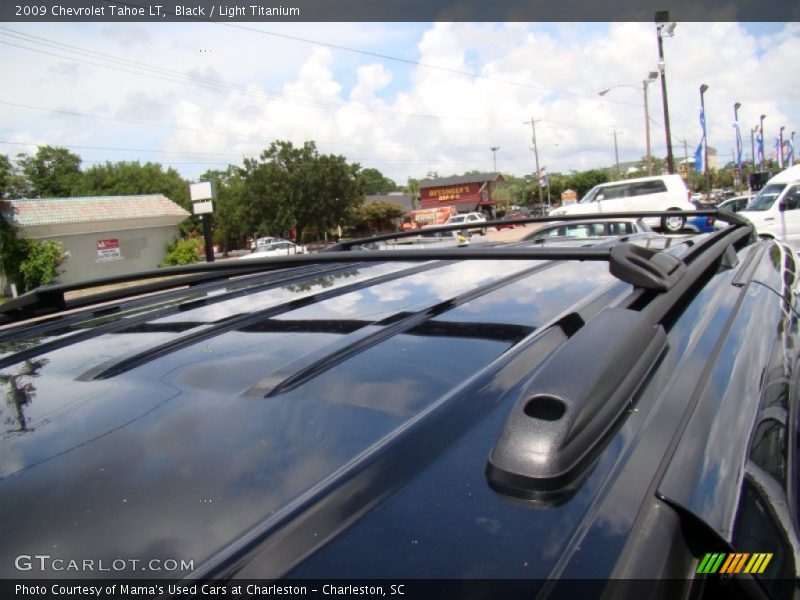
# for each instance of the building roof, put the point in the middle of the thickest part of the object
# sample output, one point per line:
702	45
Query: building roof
404	201
53	211
473	178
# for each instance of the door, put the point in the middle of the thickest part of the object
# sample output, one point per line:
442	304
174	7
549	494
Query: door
613	198
789	225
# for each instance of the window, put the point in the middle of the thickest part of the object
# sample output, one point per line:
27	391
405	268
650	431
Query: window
613	192
792	199
642	188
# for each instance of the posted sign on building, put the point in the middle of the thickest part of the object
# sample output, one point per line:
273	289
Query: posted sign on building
108	250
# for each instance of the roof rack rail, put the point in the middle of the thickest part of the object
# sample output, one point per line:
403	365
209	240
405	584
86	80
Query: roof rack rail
719	215
51	299
560	421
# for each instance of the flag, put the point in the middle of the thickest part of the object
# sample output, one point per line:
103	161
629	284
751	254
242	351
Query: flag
738	145
785	153
699	154
703	122
543	177
777	154
699	159
789	152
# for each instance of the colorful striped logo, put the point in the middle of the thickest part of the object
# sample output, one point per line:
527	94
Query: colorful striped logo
735	563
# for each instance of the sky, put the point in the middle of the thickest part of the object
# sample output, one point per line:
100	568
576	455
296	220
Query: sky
404	98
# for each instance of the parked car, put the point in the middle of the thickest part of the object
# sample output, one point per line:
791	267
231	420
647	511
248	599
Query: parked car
735	204
590	228
471	218
658	193
492	421
775	210
427	237
507	222
701	223
272	249
264	241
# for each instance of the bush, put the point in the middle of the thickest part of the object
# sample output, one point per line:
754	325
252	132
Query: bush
183	252
26	262
41	262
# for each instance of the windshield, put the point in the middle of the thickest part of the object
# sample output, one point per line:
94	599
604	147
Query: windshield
766	197
589	197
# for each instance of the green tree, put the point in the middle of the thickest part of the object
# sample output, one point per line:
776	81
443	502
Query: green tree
659	166
583	181
297	188
377	215
230	225
51	172
412	188
133	178
373	182
12	183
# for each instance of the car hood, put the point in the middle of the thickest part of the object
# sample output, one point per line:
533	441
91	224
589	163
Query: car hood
765	220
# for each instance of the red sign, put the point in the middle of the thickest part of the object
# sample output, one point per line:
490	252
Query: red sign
464	193
107	244
108	250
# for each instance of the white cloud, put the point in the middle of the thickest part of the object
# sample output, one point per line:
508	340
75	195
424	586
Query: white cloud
403	119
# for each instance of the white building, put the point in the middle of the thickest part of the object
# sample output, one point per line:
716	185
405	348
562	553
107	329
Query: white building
103	235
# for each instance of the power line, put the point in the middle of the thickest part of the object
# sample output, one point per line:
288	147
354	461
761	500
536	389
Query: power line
216	85
179	152
222	85
391	58
189	153
225	86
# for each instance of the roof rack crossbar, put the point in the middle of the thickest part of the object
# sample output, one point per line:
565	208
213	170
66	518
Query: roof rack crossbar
137	359
724	216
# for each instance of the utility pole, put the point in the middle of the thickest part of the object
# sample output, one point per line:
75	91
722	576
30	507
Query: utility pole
536	156
665	28
645	82
737	157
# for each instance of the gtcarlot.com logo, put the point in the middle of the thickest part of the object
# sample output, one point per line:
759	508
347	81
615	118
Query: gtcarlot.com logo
730	563
46	562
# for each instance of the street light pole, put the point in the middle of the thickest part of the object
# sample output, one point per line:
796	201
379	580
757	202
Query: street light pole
703	89
536	156
494	150
763	149
665	28
653	75
646	82
736	159
753	148
616	153
780	147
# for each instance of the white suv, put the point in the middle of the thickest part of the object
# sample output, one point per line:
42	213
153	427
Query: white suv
659	193
775	211
468	219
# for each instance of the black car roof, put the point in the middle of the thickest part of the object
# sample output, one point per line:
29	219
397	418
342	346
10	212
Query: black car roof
274	409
